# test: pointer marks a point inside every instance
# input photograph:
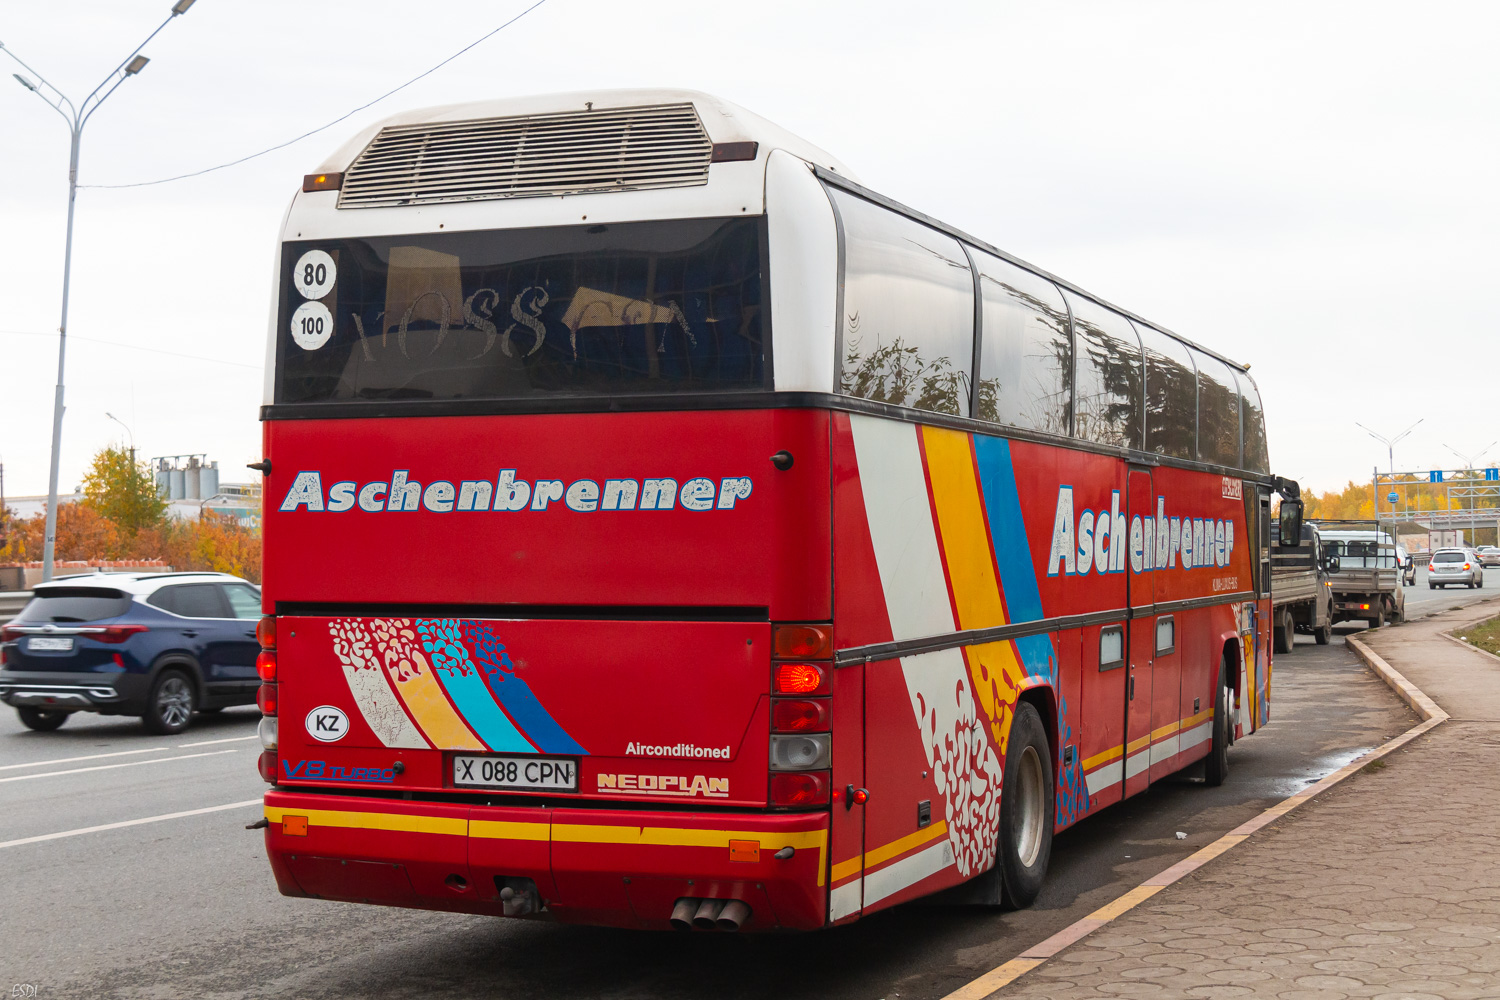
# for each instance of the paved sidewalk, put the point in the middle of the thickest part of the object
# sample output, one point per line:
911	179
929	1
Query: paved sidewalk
1386	886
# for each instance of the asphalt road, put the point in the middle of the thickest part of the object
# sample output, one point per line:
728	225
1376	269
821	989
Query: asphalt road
186	907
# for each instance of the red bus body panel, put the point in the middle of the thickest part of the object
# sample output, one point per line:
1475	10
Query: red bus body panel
633	641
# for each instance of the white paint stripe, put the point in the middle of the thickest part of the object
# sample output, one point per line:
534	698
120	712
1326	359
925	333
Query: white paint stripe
1164	749
900	519
907	872
844	900
1197	734
209	743
1136	763
91	756
110	767
128	822
1104	777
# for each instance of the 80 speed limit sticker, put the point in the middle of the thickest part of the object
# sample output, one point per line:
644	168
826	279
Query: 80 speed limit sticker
537	774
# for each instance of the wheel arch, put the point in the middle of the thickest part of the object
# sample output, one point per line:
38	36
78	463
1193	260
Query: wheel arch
176	659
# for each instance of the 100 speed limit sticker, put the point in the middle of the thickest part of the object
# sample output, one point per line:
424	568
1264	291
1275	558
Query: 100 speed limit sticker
314	276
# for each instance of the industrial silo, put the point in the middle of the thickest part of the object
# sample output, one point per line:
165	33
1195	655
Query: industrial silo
208	479
192	480
163	484
174	483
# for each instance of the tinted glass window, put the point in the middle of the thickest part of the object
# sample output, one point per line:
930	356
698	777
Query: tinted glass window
191	600
1026	355
643	307
1218	412
1448	557
243	600
1171	395
1108	403
1253	432
75	604
908	323
1166	635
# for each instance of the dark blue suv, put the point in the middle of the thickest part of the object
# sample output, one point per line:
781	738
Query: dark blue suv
157	645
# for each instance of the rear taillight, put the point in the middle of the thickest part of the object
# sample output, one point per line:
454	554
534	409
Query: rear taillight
799	716
266	764
1466	565
800	790
266	730
801	678
801	753
265	632
1431	568
265	699
802	642
265	665
118	633
8	634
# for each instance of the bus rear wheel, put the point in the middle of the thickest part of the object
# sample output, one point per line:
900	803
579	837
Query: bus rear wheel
1025	809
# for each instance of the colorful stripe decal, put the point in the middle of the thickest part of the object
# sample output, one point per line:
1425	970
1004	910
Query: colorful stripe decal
900	520
1023	597
471	696
519	701
368	686
430	708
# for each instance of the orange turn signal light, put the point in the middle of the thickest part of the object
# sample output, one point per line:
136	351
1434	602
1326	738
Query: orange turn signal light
802	642
322	182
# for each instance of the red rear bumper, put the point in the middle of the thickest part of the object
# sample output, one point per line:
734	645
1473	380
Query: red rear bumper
618	867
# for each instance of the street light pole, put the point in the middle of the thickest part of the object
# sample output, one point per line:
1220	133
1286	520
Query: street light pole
1469	462
132	438
76	117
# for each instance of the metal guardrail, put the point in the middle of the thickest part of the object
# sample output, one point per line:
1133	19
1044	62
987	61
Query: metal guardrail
11	603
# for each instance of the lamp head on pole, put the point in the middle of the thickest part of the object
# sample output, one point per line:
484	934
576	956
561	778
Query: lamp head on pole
24	82
136	65
181	7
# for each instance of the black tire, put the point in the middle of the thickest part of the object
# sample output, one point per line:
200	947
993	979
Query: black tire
1432	586
1379	620
43	720
1283	637
1323	635
1026	809
169	706
1216	765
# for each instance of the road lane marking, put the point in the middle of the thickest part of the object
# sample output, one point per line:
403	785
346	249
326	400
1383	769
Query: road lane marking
128	822
92	756
209	743
107	767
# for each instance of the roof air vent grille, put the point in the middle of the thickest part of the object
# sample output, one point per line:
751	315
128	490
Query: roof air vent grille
621	149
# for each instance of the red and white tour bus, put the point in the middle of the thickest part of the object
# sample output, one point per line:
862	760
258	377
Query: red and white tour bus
662	529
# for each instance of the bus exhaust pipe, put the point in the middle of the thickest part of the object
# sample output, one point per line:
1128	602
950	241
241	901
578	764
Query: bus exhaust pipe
735	913
682	913
707	917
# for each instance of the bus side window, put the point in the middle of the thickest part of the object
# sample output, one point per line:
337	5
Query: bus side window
906	335
1025	352
1171	395
1111	647
1108	401
1218	412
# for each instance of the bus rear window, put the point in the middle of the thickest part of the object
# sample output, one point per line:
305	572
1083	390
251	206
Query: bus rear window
646	307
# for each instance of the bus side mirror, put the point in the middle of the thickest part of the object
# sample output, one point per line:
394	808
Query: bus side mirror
1330	564
1290	520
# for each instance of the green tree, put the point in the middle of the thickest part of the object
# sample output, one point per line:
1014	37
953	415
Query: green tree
123	491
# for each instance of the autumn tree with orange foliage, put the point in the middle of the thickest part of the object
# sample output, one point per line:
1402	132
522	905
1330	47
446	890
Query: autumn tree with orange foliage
116	521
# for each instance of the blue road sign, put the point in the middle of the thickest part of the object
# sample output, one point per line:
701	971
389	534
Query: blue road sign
1393	496
1435	476
1492	474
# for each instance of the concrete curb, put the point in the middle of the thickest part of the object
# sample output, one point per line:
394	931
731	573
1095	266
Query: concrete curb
1469	646
992	983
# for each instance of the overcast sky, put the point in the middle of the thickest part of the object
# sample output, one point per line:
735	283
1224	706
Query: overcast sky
1310	188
